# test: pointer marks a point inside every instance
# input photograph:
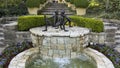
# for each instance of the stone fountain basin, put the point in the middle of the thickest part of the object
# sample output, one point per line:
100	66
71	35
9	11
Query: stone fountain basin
51	32
25	57
56	43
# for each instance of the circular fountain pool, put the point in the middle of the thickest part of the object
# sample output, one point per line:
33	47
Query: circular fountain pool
81	62
58	49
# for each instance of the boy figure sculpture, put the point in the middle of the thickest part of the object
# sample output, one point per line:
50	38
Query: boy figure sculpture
48	22
63	19
59	21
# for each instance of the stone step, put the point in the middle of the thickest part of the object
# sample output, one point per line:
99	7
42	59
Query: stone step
1	34
1	38
55	10
1	44
1	49
106	24
52	7
118	32
110	24
117	37
1	29
117	45
117	41
58	8
51	13
56	5
117	48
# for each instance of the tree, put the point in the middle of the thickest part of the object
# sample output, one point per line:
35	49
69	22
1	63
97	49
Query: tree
110	5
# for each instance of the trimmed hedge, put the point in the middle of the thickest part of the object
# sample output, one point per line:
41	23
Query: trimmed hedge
81	3
35	3
27	22
93	24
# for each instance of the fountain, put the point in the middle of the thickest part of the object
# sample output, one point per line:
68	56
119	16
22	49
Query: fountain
60	49
57	48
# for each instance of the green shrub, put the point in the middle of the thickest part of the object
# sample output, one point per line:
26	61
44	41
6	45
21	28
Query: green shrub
94	25
81	3
27	22
71	1
34	3
67	0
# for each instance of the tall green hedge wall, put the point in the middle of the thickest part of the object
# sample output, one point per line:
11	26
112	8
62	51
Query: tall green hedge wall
93	24
27	22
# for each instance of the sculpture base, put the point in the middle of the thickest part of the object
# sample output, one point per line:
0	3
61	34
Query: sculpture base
58	43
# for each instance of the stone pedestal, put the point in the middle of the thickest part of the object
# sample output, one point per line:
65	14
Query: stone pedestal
58	43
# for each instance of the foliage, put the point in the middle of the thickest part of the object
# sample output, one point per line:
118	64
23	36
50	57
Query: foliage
106	9
27	22
67	0
114	5
13	8
94	7
81	3
94	25
71	1
2	12
12	51
114	15
35	3
112	54
5	3
110	5
21	9
93	3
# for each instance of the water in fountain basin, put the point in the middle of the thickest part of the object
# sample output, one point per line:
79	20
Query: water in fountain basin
81	62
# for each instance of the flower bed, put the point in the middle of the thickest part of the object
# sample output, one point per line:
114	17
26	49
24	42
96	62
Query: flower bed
11	51
112	54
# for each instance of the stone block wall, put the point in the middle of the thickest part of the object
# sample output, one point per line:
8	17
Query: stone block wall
60	46
12	36
97	38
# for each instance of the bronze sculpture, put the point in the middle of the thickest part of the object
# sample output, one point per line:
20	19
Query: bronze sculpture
63	19
59	21
48	22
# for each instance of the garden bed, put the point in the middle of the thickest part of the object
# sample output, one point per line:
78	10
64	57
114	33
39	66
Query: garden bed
112	54
11	51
